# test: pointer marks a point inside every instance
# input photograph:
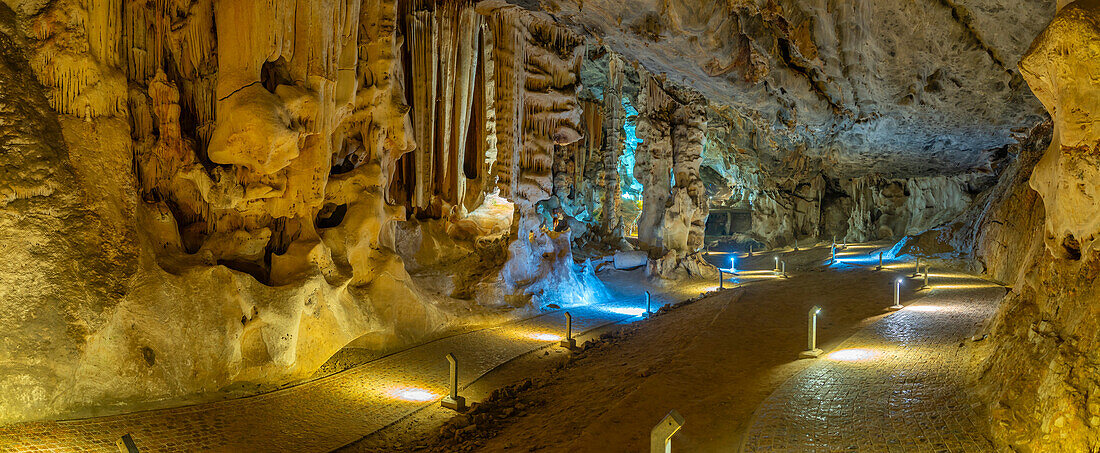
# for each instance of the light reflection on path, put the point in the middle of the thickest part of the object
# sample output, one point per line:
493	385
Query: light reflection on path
897	385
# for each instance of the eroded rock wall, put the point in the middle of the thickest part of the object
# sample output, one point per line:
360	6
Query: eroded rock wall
231	192
1037	235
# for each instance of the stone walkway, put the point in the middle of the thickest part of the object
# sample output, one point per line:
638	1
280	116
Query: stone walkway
333	411
899	385
316	416
903	395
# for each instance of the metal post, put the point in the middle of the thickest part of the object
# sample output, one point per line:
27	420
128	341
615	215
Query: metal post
811	350
453	401
796	243
897	296
721	278
750	249
926	271
784	269
916	269
776	270
126	444
833	259
879	261
660	438
568	342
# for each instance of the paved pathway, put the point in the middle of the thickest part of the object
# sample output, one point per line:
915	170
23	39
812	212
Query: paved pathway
330	412
899	385
333	411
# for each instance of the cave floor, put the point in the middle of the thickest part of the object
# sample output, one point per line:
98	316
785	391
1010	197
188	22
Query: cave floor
326	413
897	385
728	363
889	381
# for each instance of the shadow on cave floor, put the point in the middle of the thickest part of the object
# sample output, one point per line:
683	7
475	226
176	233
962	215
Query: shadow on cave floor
713	359
716	360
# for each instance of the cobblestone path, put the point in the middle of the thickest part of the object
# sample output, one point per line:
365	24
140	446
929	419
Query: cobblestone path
330	412
898	385
316	416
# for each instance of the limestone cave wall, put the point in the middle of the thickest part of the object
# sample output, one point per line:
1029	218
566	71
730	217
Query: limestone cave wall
208	193
1034	231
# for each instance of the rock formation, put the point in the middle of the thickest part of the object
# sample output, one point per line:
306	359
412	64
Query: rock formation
248	187
1035	231
198	195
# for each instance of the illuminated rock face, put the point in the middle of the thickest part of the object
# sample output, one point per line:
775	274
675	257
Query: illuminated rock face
1034	231
236	190
1060	67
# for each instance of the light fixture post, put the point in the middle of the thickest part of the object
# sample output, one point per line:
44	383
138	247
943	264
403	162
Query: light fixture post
776	270
879	268
916	269
897	296
833	258
126	444
721	279
784	269
796	243
568	342
750	249
812	351
926	271
453	401
660	438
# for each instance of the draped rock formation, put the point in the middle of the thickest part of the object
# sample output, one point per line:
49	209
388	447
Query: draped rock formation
672	127
256	185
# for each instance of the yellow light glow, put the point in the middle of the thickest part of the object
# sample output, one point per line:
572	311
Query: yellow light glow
853	355
545	337
924	308
413	394
967	286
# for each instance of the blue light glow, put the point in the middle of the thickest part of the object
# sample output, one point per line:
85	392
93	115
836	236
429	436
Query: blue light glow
631	188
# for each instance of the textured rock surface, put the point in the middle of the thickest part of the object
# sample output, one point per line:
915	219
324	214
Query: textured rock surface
201	194
895	88
1040	379
1033	231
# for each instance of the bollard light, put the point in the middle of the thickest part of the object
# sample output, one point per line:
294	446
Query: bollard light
916	269
568	342
879	268
750	249
721	279
833	259
126	444
733	265
796	244
812	351
660	438
453	401
926	271
776	270
784	269
897	296
648	299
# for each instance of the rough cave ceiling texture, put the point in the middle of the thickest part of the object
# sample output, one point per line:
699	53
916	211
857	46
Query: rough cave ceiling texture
242	188
897	88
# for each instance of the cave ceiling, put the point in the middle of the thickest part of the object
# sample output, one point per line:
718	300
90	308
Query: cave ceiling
897	88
